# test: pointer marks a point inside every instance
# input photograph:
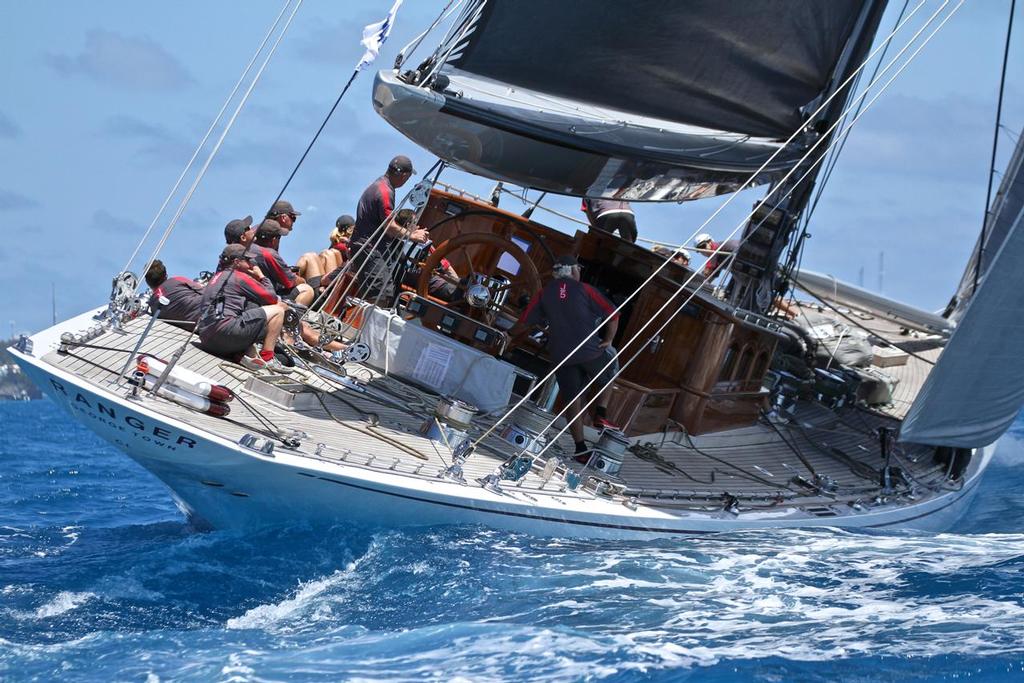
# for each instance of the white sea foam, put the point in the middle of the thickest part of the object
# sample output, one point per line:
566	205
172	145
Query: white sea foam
65	601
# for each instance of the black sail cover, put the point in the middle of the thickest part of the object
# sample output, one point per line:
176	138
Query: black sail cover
743	66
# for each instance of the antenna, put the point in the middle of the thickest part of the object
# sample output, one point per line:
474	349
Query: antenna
53	301
860	277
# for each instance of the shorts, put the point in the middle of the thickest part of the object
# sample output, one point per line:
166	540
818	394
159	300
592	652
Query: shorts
624	222
237	334
375	276
572	378
290	294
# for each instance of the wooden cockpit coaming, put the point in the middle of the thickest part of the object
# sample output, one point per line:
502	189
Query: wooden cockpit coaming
708	359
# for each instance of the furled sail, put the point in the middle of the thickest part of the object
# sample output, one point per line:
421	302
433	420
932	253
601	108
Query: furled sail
1007	205
976	389
647	99
745	67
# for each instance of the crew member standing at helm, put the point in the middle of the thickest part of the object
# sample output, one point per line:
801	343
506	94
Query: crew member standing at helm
572	311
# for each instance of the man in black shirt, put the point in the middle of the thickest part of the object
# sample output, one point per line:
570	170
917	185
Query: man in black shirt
376	210
572	311
184	296
238	311
286	283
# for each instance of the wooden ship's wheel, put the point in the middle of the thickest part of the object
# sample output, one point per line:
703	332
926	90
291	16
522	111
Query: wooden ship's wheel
484	291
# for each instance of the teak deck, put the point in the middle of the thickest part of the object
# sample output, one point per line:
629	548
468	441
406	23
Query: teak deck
756	464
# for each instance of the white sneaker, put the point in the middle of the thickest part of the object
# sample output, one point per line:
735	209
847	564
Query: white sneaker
253	362
274	365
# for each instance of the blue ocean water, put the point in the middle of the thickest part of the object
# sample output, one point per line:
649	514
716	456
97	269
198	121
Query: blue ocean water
102	579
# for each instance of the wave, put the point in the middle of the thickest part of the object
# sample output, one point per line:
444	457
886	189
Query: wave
65	601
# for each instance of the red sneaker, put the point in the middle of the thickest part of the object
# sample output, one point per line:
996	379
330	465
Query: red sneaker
602	423
582	458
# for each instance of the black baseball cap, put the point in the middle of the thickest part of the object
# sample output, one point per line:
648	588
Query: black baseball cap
282	206
234	230
234	251
401	163
270	228
344	221
566	260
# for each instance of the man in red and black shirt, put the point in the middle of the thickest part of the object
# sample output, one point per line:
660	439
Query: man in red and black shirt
376	211
183	295
572	311
286	282
238	311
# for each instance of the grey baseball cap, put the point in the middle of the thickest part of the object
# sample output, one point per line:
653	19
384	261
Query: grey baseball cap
234	230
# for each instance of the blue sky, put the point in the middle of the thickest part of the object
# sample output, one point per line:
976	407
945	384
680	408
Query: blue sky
104	101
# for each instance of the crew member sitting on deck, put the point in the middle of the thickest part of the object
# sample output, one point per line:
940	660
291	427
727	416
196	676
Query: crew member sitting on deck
286	283
308	266
239	231
184	297
572	310
230	326
609	215
716	261
334	256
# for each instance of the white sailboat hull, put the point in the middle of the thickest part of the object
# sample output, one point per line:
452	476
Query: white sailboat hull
220	483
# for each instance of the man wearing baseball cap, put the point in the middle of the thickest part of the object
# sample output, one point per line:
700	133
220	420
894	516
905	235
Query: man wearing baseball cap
284	213
571	309
239	231
238	312
286	283
374	212
377	203
308	266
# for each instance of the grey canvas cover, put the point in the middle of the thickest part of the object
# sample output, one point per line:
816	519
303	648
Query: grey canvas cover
746	67
976	389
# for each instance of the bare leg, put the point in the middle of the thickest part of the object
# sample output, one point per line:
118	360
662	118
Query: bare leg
305	295
310	336
275	321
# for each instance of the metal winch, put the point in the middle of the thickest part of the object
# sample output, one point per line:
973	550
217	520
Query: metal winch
526	430
609	451
454	412
523	439
450	422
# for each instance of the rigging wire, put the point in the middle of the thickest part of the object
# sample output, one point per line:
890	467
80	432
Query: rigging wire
209	131
995	147
692	295
835	156
722	207
220	141
414	44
